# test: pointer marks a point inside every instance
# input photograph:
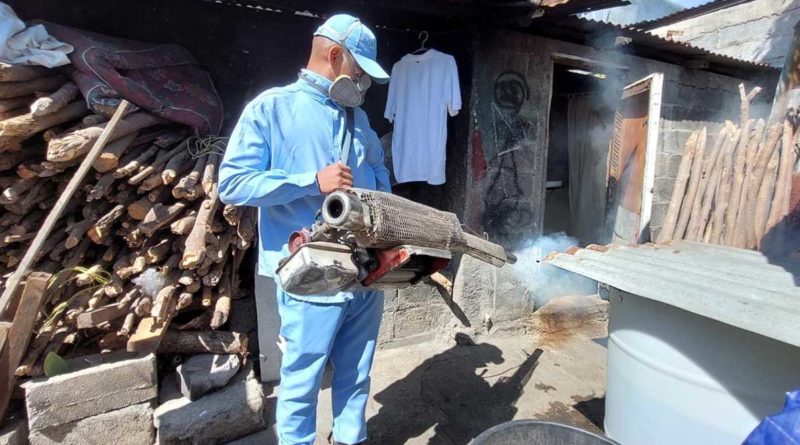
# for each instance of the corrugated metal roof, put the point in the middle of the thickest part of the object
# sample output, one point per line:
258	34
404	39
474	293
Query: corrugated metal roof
742	288
646	39
688	13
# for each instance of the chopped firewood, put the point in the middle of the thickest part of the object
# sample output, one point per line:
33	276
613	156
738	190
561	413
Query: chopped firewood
111	253
9	90
132	166
191	179
187	278
203	342
76	255
184	301
157	253
10	159
208	297
102	228
232	214
246	230
77	143
11	144
19	72
92	120
15	103
209	180
172	263
225	241
110	156
102	188
160	216
144	307
165	297
194	193
9	219
195	251
222	305
214	276
157	165
76	232
150	183
160	194
177	165
17	191
184	225
127	325
171	137
138	210
40	191
55	101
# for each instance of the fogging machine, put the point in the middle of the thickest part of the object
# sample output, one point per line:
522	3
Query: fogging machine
364	239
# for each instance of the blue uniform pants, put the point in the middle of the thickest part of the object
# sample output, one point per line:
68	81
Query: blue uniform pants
344	333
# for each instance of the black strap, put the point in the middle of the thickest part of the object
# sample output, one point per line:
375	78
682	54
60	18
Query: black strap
347	138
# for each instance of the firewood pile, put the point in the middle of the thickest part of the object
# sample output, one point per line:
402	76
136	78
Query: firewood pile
146	237
734	189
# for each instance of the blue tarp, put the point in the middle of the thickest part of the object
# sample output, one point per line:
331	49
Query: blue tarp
782	428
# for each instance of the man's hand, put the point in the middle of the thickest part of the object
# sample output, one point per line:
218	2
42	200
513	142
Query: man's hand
334	176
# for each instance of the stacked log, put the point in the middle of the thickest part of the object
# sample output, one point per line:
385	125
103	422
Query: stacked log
143	241
735	192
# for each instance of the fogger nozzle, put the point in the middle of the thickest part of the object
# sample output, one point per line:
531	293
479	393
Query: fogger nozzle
383	220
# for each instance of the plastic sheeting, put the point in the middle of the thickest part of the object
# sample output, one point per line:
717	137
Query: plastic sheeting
21	45
782	428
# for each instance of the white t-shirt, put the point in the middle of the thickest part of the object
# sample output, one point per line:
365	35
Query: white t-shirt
424	88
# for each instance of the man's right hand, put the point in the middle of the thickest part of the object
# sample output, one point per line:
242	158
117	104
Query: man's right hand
334	176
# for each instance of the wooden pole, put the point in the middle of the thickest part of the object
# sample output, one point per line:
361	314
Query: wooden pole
58	208
678	190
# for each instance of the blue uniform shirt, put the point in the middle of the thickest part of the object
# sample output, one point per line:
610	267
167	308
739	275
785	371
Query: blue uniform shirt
283	138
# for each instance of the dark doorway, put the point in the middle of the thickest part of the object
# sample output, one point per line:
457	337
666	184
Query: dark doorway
581	122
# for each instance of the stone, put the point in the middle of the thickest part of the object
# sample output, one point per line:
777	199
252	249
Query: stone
263	437
132	425
205	372
15	432
239	409
87	392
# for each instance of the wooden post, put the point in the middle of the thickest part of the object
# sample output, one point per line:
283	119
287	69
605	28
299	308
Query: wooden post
19	335
58	208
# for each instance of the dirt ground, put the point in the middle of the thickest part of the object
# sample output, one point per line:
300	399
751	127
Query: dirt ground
438	393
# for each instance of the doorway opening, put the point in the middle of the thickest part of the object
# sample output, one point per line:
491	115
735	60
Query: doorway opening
580	127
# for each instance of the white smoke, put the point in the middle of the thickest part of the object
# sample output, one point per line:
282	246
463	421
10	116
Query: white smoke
543	280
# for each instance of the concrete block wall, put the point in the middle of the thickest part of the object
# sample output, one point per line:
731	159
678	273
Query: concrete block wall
758	31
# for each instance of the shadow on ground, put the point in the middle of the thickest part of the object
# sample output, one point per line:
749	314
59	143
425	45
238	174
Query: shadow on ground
449	392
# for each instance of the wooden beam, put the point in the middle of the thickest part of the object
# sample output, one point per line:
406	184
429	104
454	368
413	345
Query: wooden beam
19	334
58	208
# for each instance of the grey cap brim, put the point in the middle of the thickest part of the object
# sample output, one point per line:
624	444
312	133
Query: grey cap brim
372	68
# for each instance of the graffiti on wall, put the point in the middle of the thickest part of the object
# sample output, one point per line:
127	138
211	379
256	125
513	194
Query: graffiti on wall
508	212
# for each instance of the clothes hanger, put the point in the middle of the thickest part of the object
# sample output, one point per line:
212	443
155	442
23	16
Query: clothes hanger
424	37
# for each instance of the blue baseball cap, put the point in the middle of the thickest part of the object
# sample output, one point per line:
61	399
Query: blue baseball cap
349	32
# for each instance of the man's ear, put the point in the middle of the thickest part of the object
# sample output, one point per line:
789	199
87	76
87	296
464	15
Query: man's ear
335	55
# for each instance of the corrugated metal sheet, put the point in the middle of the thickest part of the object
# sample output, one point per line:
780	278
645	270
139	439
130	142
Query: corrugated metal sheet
742	288
644	39
688	13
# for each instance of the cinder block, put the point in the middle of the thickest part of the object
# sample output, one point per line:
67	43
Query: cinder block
89	392
239	409
132	425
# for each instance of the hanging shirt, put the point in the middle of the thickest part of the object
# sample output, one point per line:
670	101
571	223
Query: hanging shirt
424	88
283	138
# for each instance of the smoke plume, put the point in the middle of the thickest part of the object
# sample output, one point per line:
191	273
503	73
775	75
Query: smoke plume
545	281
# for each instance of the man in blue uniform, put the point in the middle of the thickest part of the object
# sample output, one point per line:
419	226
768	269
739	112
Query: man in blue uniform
291	147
